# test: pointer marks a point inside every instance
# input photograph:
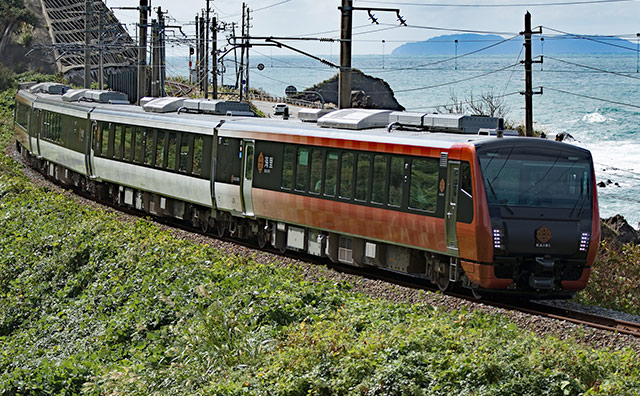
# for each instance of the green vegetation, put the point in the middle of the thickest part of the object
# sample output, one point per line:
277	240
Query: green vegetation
615	279
95	305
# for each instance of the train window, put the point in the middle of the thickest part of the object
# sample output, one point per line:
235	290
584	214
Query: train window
465	200
248	173
315	186
331	174
104	128
346	176
301	169
185	153
198	144
379	179
287	167
117	142
128	132
396	178
139	145
423	190
148	147
160	149
172	151
362	177
22	115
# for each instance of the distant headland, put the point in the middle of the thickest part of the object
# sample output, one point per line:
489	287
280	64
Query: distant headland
562	44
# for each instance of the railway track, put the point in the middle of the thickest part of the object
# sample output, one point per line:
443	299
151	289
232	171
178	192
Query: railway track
524	306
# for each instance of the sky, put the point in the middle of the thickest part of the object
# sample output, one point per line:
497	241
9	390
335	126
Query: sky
321	19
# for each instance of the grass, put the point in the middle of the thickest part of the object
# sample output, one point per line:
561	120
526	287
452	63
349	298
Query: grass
97	306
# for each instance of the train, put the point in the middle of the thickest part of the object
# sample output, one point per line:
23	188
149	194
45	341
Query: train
449	198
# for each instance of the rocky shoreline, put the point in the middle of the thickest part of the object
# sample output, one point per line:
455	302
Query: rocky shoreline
617	229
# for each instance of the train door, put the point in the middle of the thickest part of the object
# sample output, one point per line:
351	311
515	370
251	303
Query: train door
35	130
247	178
451	206
91	140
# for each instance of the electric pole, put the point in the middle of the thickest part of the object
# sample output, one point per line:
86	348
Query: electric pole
142	51
214	58
154	59
246	67
344	78
206	52
101	50
528	75
88	16
244	41
197	49
203	55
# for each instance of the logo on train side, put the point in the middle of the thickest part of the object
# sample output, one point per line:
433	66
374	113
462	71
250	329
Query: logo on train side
260	162
442	185
543	236
265	163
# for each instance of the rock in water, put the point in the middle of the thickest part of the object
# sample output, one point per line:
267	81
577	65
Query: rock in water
366	92
618	229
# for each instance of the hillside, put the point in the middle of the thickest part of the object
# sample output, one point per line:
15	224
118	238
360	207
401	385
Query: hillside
445	45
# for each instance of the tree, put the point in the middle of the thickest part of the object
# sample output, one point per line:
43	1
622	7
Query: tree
489	104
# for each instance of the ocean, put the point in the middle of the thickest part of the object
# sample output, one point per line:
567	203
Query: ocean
572	86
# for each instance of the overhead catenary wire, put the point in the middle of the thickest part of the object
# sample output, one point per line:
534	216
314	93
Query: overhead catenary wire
453	104
457	81
587	37
416	67
591	97
500	5
460	30
592	68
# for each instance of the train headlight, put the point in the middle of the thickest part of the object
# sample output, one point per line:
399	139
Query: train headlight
585	240
497	238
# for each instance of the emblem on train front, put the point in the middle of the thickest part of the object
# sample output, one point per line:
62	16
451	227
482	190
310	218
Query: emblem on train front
260	163
543	236
442	185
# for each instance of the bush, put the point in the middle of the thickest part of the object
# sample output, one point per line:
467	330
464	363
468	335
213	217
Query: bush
6	78
615	279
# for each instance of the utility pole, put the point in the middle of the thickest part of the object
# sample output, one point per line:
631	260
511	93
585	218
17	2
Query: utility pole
197	50
88	16
244	41
235	53
528	75
344	78
214	58
142	51
246	67
154	59
203	55
206	52
101	50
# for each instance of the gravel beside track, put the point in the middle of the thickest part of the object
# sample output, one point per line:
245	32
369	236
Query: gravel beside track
378	289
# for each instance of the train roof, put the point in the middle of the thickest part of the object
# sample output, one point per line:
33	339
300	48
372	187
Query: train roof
253	127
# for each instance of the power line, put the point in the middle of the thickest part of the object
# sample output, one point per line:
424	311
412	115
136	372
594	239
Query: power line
592	97
451	58
453	104
592	68
585	37
455	29
471	5
458	81
513	70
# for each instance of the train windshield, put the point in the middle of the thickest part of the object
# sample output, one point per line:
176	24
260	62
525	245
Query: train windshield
527	177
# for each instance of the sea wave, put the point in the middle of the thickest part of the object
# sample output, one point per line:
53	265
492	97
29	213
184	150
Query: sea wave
595	118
